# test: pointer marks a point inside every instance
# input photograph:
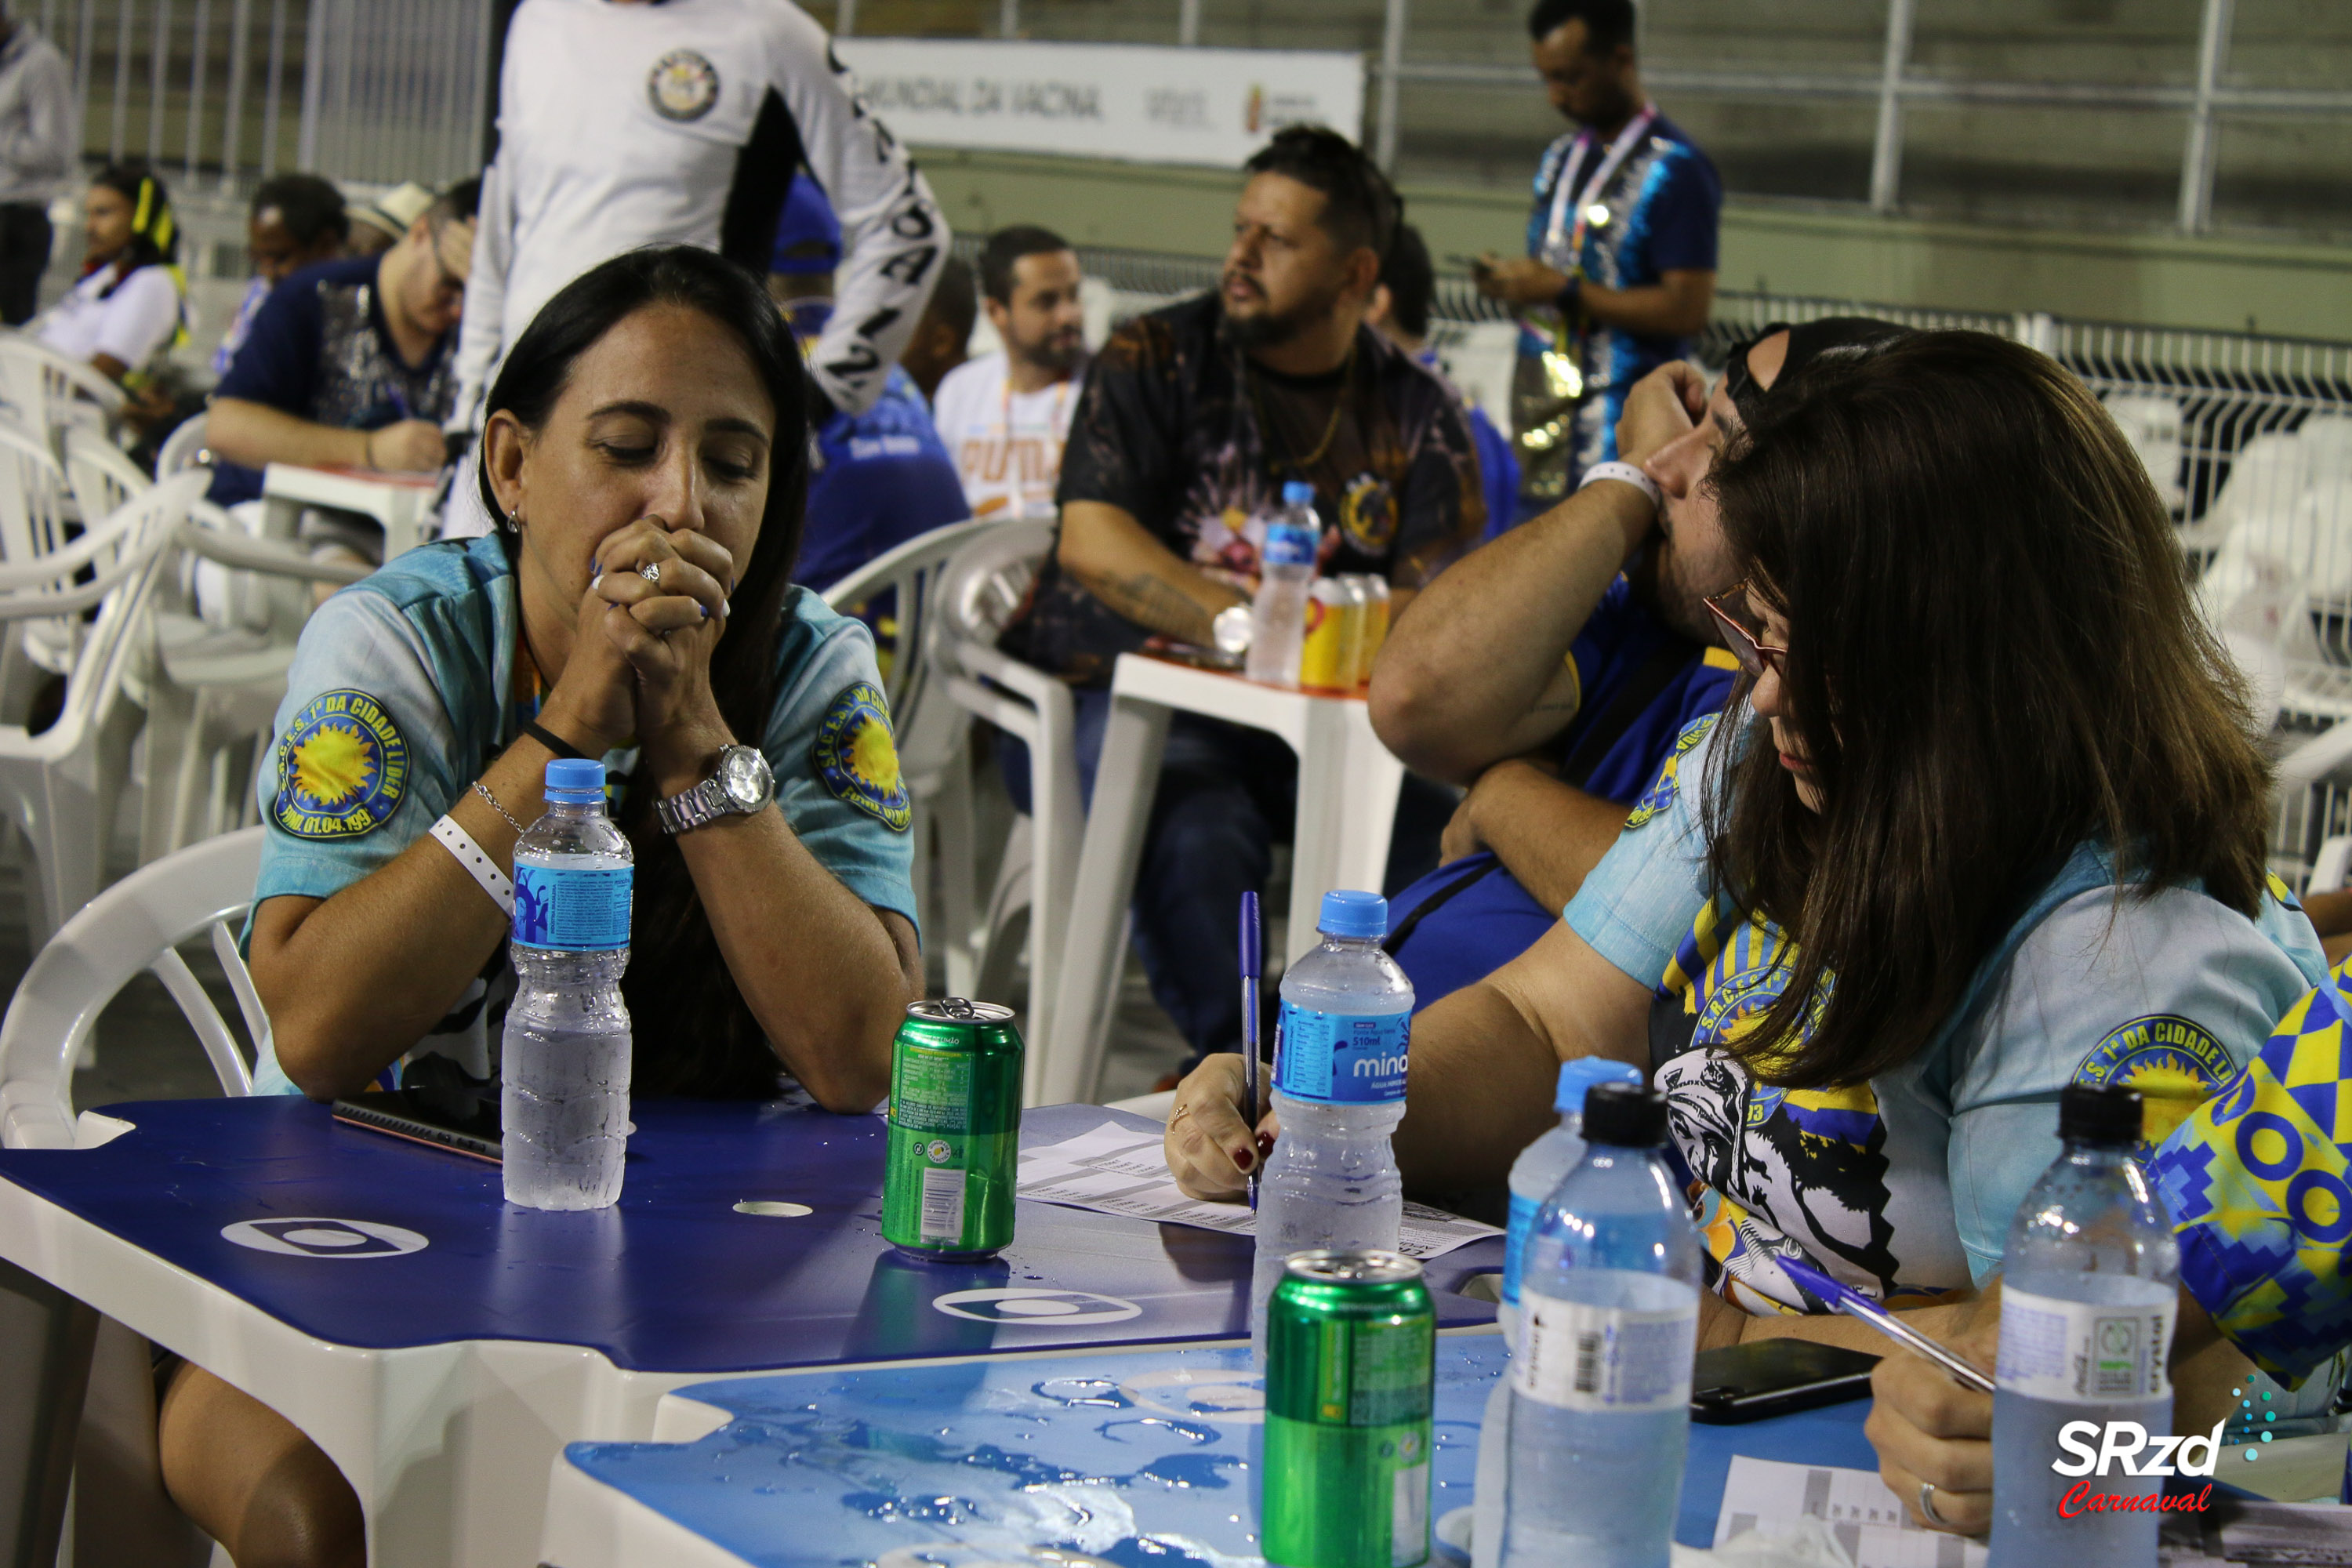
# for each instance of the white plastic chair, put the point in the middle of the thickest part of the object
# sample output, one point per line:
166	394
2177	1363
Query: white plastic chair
184	448
974	594
53	392
135	925
59	788
100	474
931	731
35	505
213	691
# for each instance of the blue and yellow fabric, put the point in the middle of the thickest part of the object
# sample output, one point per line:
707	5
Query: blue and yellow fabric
2258	1181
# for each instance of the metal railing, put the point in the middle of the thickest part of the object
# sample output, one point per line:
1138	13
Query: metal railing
220	94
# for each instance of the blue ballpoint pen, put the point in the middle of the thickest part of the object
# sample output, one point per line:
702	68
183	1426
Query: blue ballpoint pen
1862	1309
1250	945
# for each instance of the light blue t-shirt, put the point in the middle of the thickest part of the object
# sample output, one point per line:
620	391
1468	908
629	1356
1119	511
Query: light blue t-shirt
398	698
1905	1185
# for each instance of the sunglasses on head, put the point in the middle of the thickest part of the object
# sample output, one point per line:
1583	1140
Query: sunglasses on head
1753	656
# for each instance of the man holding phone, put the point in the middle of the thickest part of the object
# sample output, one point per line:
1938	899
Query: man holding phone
1619	271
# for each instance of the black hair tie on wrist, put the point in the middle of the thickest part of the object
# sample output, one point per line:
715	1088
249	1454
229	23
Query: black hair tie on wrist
553	742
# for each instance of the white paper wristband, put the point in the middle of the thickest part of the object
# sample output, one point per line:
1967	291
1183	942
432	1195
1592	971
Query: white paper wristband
477	861
1626	473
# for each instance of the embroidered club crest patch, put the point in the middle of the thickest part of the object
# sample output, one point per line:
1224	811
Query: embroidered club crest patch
342	767
683	86
857	760
1660	792
2173	1061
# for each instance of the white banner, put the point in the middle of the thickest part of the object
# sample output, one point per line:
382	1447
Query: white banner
1132	101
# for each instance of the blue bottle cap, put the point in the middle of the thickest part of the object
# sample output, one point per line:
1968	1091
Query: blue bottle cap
576	781
1582	1074
1297	492
1354	915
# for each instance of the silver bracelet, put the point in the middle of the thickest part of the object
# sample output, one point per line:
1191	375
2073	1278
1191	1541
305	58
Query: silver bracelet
484	791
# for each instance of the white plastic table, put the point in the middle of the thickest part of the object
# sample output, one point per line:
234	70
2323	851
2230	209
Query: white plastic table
1347	784
397	501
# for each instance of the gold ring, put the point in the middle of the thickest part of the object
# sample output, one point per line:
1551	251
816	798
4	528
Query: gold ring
1182	1112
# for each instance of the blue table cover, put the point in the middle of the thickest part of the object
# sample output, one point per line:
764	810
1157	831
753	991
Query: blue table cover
1141	1459
672	1278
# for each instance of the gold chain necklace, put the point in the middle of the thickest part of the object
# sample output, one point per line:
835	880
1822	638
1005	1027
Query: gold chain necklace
1330	426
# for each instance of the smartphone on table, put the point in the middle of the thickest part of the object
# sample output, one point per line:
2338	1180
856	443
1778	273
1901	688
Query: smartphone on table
1774	1377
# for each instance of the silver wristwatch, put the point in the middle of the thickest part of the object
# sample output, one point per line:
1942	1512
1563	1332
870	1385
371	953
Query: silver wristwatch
741	785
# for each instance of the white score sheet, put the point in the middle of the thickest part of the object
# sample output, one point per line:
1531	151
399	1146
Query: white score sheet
1118	1170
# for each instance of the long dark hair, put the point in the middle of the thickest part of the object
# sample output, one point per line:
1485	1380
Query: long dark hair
693	1032
1993	659
154	231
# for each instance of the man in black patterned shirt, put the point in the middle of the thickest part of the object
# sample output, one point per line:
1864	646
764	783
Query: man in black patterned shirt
1192	419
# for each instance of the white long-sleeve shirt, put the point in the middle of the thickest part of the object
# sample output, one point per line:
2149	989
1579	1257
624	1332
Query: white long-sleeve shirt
623	125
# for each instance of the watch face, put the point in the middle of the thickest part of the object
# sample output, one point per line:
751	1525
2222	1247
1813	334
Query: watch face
743	775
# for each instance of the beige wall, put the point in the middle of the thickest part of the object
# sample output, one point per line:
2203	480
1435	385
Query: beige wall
2238	285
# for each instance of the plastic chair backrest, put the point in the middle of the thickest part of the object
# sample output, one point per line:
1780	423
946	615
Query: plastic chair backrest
44	386
906	572
137	924
100	474
32	494
976	592
184	448
95	681
928	733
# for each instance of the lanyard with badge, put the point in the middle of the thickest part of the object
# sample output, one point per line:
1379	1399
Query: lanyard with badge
1573	215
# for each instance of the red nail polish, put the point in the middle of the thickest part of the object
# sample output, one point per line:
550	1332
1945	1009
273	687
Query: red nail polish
1244	1158
1265	1142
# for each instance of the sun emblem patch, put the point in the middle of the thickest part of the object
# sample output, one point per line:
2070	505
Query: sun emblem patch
1368	514
342	767
857	760
683	86
1660	792
2174	1063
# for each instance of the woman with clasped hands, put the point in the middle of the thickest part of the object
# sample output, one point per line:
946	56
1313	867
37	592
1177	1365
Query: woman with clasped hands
645	454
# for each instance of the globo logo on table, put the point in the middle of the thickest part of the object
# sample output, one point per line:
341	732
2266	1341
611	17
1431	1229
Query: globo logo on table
1030	1304
319	1238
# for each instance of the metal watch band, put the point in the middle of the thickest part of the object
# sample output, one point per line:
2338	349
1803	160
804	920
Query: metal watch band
690	809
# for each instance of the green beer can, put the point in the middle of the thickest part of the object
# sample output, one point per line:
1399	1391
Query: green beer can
1351	1359
955	1130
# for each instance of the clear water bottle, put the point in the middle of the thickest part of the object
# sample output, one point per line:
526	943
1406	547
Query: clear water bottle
1541	1166
1601	1378
1286	576
564	1059
2090	1273
1338	1087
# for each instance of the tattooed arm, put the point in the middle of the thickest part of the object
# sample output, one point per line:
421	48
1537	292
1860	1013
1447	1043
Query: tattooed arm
1112	557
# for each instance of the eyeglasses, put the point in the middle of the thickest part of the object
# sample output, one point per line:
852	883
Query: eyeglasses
1753	656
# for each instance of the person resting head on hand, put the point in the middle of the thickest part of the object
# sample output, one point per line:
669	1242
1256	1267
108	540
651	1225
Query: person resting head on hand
1982	818
645	453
